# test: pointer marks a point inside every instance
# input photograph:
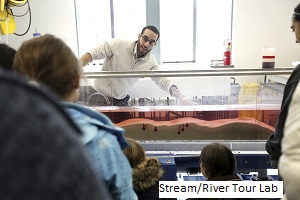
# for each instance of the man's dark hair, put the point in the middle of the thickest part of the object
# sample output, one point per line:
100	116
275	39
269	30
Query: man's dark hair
153	29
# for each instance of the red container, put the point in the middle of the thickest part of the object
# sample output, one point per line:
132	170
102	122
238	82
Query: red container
226	58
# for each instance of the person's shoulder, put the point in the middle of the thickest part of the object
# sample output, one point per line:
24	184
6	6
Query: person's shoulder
85	112
119	42
120	46
94	123
297	67
296	70
294	77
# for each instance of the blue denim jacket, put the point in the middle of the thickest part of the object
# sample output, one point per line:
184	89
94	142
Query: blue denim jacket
105	142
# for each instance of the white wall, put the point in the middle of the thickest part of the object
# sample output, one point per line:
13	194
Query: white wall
256	23
259	23
55	17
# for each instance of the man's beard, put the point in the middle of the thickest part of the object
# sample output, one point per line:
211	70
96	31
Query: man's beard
141	50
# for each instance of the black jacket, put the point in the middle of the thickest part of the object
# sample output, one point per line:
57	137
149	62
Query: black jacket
273	145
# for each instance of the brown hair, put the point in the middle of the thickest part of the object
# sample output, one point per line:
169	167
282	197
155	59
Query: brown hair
135	153
146	172
50	61
218	160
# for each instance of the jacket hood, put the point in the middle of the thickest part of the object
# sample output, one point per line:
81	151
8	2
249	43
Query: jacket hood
91	122
147	174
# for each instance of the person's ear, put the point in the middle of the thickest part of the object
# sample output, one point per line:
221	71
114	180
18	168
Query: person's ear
76	82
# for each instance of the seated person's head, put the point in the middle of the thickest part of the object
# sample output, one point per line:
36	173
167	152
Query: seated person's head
7	56
146	172
135	153
136	156
217	160
48	60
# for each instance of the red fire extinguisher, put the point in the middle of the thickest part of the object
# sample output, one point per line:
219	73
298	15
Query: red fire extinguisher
227	53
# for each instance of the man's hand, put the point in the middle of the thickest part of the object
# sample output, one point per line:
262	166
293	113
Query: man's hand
174	91
85	59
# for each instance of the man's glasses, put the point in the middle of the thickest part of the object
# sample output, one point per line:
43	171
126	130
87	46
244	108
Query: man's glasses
151	42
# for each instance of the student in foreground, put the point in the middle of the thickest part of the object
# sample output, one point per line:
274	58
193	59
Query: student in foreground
289	162
41	156
49	61
273	144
